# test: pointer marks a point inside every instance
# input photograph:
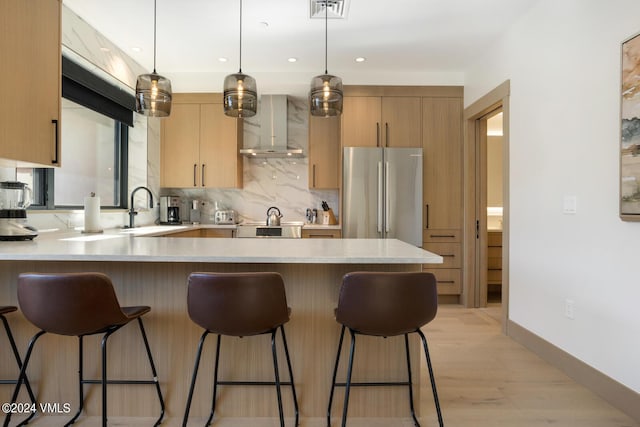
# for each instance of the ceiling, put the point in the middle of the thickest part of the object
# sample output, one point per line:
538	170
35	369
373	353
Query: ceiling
394	36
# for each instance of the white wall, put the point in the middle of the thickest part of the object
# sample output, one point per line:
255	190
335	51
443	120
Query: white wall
563	60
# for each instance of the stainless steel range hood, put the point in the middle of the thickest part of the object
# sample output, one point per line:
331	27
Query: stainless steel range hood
273	130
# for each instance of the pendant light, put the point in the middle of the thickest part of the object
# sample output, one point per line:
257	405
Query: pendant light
240	92
325	97
153	92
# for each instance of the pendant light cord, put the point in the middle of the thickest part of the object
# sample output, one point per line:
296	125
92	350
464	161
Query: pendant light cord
240	59
326	26
155	6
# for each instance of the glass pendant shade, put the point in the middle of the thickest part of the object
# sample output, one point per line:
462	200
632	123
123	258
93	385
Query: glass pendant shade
240	95
153	95
325	97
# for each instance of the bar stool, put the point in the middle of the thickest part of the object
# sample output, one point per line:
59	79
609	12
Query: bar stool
239	305
385	304
6	310
79	304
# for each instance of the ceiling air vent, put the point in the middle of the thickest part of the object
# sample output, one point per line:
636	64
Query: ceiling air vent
337	9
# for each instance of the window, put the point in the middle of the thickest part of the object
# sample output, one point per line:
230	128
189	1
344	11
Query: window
95	127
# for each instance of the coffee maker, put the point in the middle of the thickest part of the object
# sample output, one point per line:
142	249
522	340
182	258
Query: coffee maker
170	210
15	198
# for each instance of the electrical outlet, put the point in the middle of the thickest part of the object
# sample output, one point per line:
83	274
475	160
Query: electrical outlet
569	309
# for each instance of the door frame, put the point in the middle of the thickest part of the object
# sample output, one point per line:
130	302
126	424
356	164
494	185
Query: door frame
475	224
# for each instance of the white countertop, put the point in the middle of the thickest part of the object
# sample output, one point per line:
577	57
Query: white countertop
138	245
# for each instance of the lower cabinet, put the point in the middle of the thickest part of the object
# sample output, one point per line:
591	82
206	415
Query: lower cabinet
324	233
494	264
203	232
448	245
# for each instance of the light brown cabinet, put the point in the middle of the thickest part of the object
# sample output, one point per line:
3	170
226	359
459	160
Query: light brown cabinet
324	152
203	232
322	233
200	145
442	190
442	167
381	121
30	82
494	262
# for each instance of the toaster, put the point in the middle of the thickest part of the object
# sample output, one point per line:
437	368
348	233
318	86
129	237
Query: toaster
227	216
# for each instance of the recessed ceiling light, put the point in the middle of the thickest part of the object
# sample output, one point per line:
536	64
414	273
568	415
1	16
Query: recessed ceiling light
360	59
292	59
264	24
105	49
222	59
136	49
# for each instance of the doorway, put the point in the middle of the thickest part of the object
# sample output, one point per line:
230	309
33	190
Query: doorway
486	241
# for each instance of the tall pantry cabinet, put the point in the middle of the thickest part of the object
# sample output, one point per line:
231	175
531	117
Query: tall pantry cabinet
30	82
443	189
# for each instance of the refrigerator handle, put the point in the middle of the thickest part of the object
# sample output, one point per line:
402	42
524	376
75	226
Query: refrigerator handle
387	206
379	204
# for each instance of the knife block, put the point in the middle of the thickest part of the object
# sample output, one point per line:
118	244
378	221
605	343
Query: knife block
328	218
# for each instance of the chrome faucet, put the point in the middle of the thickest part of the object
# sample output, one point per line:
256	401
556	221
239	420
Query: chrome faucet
132	212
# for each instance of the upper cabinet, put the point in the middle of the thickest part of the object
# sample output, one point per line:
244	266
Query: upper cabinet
442	157
381	121
30	82
324	152
200	145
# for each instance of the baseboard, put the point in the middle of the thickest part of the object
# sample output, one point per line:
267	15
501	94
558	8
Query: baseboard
617	394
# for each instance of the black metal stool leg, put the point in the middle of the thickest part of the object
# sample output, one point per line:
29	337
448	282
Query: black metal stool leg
193	378
410	381
335	372
153	370
80	383
293	386
277	376
215	381
23	373
104	380
349	372
431	376
16	355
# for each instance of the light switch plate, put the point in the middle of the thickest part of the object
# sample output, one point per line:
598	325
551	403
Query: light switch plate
570	205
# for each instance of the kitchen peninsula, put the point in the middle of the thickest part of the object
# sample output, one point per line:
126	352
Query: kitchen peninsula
148	270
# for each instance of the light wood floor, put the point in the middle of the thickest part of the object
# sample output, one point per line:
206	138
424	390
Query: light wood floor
484	379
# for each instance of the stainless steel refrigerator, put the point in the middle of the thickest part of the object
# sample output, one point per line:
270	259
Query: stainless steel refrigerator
382	193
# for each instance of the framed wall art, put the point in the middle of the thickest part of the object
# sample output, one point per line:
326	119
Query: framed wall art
630	130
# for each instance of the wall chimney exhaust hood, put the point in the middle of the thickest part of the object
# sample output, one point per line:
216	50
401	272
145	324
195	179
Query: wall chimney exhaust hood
273	130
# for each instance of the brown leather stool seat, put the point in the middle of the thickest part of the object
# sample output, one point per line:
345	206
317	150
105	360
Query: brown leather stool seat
79	304
385	304
239	305
6	309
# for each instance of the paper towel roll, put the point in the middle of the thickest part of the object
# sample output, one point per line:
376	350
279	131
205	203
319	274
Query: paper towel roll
92	214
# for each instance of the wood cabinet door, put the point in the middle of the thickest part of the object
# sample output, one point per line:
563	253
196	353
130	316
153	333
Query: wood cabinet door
442	157
361	121
30	81
179	147
401	122
220	162
324	152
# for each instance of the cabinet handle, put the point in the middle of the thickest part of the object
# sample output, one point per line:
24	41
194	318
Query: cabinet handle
203	174
446	281
386	134
377	134
314	176
55	142
447	255
443	235
195	171
426	216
